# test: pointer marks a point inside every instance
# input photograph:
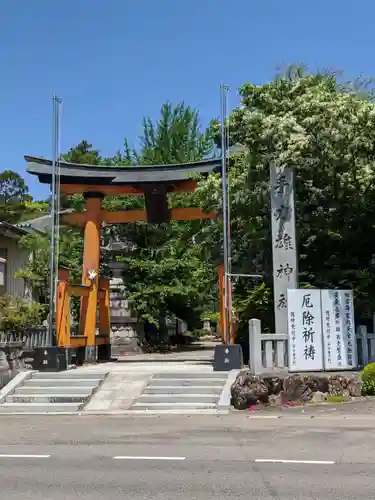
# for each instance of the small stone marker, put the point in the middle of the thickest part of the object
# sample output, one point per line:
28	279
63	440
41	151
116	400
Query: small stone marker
50	359
228	357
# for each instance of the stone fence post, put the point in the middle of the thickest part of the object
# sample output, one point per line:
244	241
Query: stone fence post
363	355
255	347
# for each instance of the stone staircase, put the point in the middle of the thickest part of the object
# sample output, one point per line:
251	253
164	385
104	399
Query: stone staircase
51	392
194	392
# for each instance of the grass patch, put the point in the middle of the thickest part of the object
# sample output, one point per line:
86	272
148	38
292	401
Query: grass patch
336	399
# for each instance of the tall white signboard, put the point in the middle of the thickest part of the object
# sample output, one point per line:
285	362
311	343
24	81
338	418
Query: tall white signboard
305	330
340	349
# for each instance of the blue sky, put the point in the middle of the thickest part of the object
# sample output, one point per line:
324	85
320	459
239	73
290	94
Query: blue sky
114	61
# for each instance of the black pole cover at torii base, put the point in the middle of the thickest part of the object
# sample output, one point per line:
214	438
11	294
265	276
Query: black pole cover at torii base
228	357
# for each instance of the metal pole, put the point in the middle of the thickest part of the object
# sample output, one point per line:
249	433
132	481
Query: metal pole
224	89
239	275
229	228
52	267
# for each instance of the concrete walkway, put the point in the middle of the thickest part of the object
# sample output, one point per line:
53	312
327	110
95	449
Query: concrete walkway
198	356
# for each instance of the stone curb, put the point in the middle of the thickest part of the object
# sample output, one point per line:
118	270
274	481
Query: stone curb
225	397
310	417
154	413
15	382
40	413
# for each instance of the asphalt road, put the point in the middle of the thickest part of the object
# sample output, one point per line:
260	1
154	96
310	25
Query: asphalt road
187	458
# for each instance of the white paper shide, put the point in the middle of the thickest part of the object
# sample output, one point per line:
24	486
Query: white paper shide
340	351
305	330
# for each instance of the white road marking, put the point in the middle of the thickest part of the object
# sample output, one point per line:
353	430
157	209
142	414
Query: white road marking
23	456
264	417
311	462
119	457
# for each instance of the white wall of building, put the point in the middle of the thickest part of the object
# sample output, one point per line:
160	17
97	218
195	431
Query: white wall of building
16	259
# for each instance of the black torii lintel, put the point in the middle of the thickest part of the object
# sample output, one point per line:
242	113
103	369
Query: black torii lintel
154	181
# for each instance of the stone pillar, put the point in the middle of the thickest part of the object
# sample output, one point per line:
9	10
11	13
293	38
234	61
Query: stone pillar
255	347
284	248
124	335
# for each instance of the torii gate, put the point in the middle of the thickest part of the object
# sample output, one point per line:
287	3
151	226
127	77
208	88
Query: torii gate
154	183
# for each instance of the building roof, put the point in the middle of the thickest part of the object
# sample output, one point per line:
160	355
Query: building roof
41	224
12	231
74	173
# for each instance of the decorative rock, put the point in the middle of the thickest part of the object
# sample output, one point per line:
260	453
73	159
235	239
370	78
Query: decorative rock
335	385
274	384
338	385
355	386
318	397
13	352
248	390
4	365
317	382
275	399
296	389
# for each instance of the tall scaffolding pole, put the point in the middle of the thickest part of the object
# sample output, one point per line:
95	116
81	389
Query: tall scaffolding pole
55	204
226	231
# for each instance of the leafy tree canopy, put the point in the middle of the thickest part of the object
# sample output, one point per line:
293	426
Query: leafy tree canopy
13	196
166	273
325	130
83	153
17	315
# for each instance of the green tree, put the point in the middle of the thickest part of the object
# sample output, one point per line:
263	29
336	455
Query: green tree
16	204
36	271
83	153
177	137
166	273
325	130
34	209
18	315
14	194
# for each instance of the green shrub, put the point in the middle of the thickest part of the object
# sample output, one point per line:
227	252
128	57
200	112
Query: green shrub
368	387
368	380
369	371
17	315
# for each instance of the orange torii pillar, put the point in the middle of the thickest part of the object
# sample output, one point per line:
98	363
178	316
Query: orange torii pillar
62	309
222	307
90	268
104	344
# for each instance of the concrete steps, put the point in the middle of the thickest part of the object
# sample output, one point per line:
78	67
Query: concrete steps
51	382
63	392
47	389
34	408
178	411
46	398
177	398
175	389
179	393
